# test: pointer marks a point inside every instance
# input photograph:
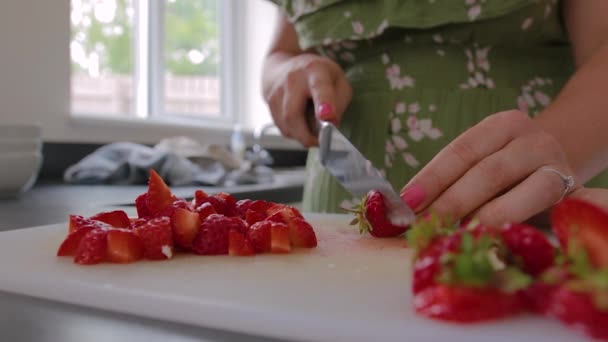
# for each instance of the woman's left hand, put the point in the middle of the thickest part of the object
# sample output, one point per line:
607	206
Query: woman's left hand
499	170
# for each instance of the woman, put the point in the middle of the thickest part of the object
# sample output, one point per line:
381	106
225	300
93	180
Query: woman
495	108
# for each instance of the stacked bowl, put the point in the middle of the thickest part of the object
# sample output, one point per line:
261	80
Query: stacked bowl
20	157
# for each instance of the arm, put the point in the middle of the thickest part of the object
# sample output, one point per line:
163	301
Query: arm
583	103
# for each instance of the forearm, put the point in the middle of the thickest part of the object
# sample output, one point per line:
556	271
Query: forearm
578	117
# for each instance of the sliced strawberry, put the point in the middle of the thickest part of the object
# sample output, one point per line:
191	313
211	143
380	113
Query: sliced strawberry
288	211
156	237
228	198
279	239
72	241
239	244
178	203
539	296
302	234
205	210
466	304
78	221
222	206
213	236
116	218
123	246
259	235
578	310
585	221
527	242
141	203
159	193
252	217
200	197
186	225
92	248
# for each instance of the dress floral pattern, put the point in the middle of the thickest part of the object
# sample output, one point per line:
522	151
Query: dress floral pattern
423	71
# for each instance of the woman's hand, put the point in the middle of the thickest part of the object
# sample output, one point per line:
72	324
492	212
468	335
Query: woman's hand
494	170
298	79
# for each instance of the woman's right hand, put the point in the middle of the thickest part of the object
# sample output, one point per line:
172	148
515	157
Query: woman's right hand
298	80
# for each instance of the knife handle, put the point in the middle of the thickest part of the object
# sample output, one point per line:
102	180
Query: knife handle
311	119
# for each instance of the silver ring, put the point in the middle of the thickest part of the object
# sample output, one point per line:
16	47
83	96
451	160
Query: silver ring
568	181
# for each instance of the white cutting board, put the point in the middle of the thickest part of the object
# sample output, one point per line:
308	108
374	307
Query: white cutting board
350	288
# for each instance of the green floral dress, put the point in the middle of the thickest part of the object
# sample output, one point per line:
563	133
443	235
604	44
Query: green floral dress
423	71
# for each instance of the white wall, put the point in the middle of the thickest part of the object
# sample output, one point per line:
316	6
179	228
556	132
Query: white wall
34	78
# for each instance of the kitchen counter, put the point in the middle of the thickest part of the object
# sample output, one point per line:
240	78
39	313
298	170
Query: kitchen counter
28	319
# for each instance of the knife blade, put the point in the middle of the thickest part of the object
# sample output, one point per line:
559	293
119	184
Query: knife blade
357	174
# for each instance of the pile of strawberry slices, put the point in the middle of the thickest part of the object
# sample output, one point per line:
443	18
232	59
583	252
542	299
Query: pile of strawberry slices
207	225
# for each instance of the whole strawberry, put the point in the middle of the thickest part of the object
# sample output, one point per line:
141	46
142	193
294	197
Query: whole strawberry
372	217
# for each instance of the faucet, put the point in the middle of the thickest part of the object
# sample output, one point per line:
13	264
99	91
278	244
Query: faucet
260	156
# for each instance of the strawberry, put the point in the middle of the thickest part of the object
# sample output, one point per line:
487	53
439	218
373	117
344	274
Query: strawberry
185	225
123	246
539	296
288	211
580	310
116	218
301	234
213	236
178	203
239	244
466	304
221	206
372	217
252	217
258	206
200	197
205	210
585	221
92	248
159	194
279	239
78	221
156	238
72	241
230	200
259	235
531	245
141	203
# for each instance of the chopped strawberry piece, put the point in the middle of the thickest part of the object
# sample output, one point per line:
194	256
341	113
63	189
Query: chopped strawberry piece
116	218
205	210
259	234
239	244
92	249
533	246
72	241
186	225
156	237
123	246
258	206
200	197
228	198
252	217
302	234
466	304
77	222
279	239
213	236
141	203
222	206
288	211
159	194
587	223
578	310
179	203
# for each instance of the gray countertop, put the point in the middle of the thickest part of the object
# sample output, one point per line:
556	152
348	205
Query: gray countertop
27	319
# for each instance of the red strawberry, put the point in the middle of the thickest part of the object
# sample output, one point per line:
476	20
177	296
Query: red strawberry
77	222
92	248
427	265
117	218
259	235
585	221
372	217
531	245
205	210
239	244
213	236
186	225
156	237
466	304
123	246
72	241
301	233
228	198
252	217
159	194
179	203
200	197
279	239
539	296
221	206
258	206
141	203
579	310
288	211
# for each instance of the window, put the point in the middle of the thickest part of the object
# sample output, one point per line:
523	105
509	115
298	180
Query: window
169	59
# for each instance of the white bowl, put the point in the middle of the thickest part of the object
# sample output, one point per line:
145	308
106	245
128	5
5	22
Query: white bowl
18	172
20	131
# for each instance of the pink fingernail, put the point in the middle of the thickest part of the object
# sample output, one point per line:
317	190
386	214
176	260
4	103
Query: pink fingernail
325	111
414	196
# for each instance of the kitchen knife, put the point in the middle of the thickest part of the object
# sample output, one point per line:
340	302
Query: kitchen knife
357	174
